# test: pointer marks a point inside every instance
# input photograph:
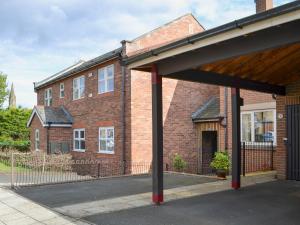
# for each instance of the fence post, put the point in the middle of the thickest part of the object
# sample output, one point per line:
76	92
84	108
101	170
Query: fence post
272	154
244	159
44	161
12	181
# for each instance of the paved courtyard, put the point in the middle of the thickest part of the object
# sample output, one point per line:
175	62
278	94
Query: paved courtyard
273	203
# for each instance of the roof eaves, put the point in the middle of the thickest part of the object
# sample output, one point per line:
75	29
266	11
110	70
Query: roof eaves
289	7
86	65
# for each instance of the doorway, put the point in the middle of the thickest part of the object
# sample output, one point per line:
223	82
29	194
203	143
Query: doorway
209	147
293	142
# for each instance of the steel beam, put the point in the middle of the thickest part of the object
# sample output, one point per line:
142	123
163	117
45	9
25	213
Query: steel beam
236	138
157	138
226	80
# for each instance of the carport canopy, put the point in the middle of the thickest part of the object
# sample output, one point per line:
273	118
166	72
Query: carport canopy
260	53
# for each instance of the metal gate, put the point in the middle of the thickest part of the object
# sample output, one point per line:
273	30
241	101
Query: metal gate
293	142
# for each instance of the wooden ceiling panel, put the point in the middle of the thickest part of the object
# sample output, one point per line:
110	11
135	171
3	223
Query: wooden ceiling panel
276	66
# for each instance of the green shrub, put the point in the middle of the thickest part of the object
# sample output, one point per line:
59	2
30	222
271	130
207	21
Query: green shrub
19	145
221	161
178	163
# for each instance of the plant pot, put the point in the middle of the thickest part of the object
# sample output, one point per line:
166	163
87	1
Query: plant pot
221	173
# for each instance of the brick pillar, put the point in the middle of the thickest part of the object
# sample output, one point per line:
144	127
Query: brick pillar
263	5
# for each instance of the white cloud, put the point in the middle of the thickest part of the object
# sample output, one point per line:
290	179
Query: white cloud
42	37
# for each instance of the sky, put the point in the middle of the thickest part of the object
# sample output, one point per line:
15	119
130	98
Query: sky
41	37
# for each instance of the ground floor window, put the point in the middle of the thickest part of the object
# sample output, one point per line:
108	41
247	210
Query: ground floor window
37	140
79	140
258	126
106	140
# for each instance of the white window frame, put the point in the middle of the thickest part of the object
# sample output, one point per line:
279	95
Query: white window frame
253	124
78	139
79	88
37	142
48	97
106	78
99	137
61	90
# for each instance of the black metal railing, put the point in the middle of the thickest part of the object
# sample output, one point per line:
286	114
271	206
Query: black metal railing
257	156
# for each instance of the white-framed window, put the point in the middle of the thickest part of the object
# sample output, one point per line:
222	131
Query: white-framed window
106	140
37	139
106	79
258	126
61	90
79	140
48	97
78	87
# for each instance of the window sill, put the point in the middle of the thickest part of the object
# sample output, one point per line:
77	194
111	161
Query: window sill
107	92
106	152
77	99
78	150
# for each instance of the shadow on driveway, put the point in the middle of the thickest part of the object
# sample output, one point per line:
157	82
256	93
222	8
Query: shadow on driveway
59	195
273	203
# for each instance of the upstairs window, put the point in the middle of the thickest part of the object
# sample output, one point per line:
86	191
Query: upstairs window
79	140
106	79
61	90
78	87
259	126
48	97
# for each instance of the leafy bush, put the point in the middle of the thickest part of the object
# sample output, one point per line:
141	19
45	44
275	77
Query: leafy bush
20	145
178	163
221	161
13	131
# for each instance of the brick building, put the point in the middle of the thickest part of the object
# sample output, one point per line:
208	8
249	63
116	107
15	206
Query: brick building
100	109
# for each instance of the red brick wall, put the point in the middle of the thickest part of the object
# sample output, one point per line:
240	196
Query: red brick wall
36	124
90	112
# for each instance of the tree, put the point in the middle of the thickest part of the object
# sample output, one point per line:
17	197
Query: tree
3	89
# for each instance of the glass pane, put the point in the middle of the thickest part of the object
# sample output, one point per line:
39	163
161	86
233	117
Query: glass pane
110	84
102	133
101	74
110	71
246	127
76	94
82	147
110	133
76	134
264	126
77	144
110	145
102	86
75	84
102	145
81	92
82	134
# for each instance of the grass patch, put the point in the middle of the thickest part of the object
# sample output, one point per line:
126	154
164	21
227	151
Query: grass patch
6	169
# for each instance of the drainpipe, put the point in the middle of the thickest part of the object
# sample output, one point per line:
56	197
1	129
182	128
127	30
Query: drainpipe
48	144
226	118
123	104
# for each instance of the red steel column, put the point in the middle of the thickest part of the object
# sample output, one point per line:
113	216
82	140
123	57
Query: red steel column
157	137
236	138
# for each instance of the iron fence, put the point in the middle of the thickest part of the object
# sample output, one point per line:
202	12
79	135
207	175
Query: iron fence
37	169
257	156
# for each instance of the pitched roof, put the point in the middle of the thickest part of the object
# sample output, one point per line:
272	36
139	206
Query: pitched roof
76	68
53	116
208	112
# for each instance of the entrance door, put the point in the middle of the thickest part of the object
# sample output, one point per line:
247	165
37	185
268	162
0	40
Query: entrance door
209	147
293	142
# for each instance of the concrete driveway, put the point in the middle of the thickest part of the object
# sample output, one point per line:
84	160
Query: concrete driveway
273	203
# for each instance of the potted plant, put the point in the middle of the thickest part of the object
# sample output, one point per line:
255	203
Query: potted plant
221	164
178	163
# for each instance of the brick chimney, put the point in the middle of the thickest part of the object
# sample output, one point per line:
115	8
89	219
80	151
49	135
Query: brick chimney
263	5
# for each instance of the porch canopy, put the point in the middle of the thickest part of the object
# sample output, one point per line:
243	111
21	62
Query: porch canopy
260	53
